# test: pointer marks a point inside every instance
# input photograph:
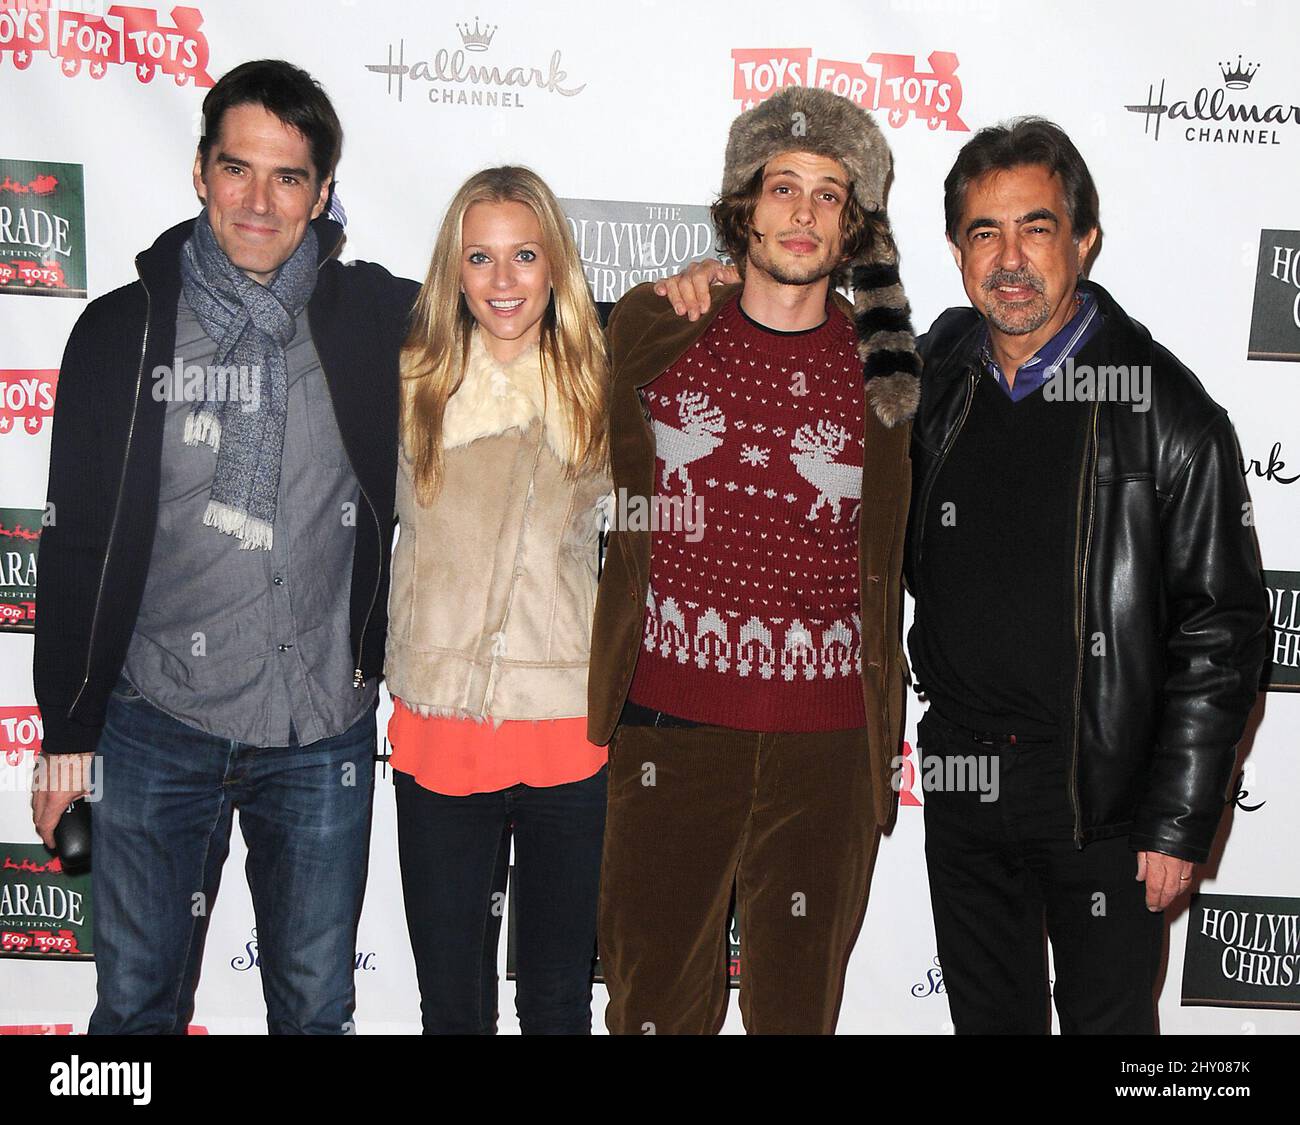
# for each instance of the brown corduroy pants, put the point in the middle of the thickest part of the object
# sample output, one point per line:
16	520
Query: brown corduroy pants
784	818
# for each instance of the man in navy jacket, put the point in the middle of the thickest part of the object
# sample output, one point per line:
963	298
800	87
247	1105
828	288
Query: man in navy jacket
213	581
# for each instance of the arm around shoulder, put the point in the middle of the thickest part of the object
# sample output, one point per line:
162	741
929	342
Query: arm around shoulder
630	318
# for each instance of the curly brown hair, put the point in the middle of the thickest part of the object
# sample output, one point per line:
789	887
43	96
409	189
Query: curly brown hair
733	216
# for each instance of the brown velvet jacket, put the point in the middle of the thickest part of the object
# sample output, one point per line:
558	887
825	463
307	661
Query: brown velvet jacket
646	337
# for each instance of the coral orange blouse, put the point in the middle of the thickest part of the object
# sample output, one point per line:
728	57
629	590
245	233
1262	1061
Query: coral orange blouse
457	757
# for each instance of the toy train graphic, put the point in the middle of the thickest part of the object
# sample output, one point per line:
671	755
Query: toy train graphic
123	36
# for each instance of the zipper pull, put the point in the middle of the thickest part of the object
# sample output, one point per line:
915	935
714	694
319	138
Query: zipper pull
357	678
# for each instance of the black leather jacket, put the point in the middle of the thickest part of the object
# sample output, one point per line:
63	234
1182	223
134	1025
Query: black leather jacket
1167	572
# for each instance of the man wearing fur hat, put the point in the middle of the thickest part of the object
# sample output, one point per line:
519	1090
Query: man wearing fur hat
751	677
1090	616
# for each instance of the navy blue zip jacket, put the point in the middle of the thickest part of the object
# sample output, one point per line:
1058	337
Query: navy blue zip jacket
106	454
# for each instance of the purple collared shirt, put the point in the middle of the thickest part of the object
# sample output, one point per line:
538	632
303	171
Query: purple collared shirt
1066	344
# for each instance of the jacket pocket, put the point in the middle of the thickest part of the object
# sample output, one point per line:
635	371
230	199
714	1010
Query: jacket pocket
125	691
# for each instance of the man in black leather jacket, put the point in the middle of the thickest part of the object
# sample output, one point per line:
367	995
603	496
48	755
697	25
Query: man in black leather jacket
1090	620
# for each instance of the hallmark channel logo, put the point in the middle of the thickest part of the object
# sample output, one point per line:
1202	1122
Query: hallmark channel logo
1275	318
26	399
20	536
1274	469
1243	787
891	85
43	911
624	244
42	229
121	37
1212	116
1282	672
1243	951
460	75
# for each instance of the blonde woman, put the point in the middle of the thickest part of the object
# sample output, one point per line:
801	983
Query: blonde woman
504	464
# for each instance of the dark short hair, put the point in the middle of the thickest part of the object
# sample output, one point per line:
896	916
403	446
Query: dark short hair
1025	140
733	218
285	90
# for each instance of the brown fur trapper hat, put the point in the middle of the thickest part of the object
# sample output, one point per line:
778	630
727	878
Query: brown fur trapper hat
802	119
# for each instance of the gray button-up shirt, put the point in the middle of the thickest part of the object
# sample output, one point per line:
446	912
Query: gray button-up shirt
243	643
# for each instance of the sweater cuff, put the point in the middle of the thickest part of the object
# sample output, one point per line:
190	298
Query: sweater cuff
64	736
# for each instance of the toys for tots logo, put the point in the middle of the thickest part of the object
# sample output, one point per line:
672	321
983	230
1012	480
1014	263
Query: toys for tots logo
26	399
122	36
21	731
892	85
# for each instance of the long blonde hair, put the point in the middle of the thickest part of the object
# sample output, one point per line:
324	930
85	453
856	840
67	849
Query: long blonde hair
575	363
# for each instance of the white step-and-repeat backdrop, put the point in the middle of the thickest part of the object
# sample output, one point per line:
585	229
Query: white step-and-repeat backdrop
1186	113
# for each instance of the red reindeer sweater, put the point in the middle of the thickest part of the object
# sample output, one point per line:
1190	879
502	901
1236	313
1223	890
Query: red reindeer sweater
752	615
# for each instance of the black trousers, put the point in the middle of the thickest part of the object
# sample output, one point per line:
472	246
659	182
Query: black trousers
1004	873
453	853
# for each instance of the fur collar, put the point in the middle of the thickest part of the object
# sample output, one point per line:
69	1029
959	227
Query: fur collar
495	397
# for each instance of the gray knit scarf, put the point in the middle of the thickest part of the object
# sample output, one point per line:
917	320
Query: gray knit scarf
251	325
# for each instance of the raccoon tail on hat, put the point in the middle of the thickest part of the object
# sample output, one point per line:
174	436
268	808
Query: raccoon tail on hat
886	343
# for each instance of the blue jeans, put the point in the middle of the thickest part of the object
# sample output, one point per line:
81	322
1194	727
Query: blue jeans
161	833
454	853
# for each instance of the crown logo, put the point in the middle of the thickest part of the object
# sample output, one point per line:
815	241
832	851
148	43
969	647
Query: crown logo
480	39
1238	78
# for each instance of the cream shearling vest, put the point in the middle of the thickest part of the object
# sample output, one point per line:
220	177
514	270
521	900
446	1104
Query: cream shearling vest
494	583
